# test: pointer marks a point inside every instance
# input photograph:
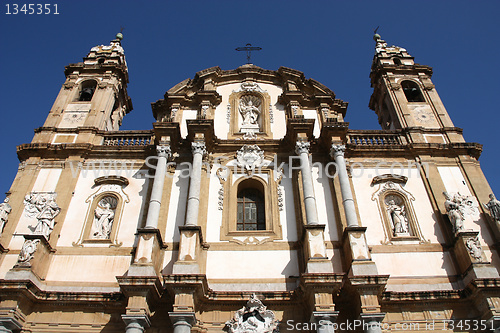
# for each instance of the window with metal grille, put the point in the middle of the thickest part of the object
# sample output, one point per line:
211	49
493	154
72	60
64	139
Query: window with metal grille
251	213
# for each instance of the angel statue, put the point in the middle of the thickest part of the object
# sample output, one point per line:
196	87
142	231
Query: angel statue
249	111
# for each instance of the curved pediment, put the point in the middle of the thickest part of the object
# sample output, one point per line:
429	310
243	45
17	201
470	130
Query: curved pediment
274	97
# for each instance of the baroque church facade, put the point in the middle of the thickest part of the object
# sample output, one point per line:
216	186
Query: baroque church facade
250	206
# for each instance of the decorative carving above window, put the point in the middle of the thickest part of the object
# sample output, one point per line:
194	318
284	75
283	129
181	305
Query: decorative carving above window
250	157
395	206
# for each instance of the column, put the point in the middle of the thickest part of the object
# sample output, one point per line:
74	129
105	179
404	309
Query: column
164	153
372	322
337	152
134	327
193	202
324	321
182	321
136	323
302	149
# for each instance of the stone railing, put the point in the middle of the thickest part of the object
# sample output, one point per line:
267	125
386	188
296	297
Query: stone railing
374	139
128	139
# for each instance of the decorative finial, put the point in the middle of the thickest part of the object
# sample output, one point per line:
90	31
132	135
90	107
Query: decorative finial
376	36
119	35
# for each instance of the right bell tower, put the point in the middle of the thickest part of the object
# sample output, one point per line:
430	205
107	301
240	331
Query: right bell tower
404	96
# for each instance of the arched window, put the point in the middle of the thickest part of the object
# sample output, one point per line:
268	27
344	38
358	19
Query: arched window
87	91
412	91
397	61
251	213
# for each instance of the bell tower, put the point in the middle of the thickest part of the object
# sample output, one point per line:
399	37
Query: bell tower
404	96
94	96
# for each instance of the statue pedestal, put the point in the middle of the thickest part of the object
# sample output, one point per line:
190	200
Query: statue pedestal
189	248
471	258
318	261
34	256
356	250
148	255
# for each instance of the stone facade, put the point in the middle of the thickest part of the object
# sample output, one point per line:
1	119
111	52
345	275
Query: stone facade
250	206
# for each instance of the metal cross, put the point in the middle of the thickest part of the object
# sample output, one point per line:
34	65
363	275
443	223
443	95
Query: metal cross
249	48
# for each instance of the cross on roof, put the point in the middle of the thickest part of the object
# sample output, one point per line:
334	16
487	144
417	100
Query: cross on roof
248	48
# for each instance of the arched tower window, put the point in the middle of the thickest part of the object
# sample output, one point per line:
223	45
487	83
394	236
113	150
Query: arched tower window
87	91
251	212
412	91
397	61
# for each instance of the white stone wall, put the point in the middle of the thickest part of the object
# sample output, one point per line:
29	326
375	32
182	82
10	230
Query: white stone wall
79	207
177	205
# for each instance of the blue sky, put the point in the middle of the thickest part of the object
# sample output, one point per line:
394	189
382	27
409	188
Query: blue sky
330	41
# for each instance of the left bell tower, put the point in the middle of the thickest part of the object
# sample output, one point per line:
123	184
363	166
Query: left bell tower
94	96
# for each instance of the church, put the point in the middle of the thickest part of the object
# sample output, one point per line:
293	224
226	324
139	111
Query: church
249	206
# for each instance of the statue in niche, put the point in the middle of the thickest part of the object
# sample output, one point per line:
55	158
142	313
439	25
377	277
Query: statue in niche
457	208
104	215
43	206
5	210
494	207
249	109
397	214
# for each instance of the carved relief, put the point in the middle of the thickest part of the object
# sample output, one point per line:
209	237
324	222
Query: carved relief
253	317
458	207
43	207
250	157
28	251
474	247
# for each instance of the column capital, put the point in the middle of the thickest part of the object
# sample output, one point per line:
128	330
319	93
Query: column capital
302	147
198	147
164	151
337	150
136	323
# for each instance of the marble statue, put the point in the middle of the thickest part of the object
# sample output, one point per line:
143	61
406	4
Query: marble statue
103	218
454	213
494	207
458	206
249	110
253	317
399	221
5	210
44	207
